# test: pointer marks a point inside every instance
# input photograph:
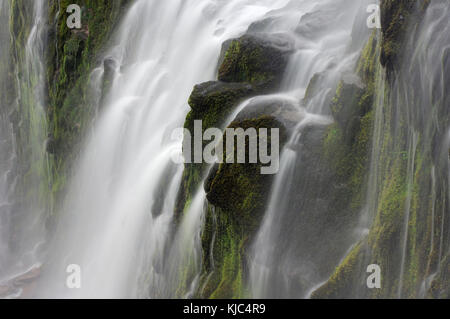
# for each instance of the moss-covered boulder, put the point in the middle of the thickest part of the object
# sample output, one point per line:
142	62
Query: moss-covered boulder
248	66
241	189
237	194
256	59
213	101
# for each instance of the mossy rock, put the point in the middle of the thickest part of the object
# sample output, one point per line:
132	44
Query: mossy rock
237	194
395	17
248	66
286	111
257	59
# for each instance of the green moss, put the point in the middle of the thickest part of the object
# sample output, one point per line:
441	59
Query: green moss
241	189
253	60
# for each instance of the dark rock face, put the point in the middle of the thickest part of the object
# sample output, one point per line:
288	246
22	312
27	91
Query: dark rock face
241	189
311	217
256	59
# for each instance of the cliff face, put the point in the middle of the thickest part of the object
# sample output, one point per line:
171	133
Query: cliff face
408	238
384	160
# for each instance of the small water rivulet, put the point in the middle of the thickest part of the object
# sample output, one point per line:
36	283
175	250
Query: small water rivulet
6	143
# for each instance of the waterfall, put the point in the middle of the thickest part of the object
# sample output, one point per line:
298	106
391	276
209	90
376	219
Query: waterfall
6	143
364	175
23	190
162	49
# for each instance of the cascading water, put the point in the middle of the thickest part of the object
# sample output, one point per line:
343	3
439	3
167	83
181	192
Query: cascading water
364	176
110	211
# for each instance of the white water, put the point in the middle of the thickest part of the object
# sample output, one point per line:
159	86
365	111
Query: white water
163	48
263	260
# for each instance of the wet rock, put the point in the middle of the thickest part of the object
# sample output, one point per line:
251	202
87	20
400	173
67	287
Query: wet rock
286	111
241	189
261	25
51	146
218	95
258	59
313	86
395	17
315	24
345	105
211	175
